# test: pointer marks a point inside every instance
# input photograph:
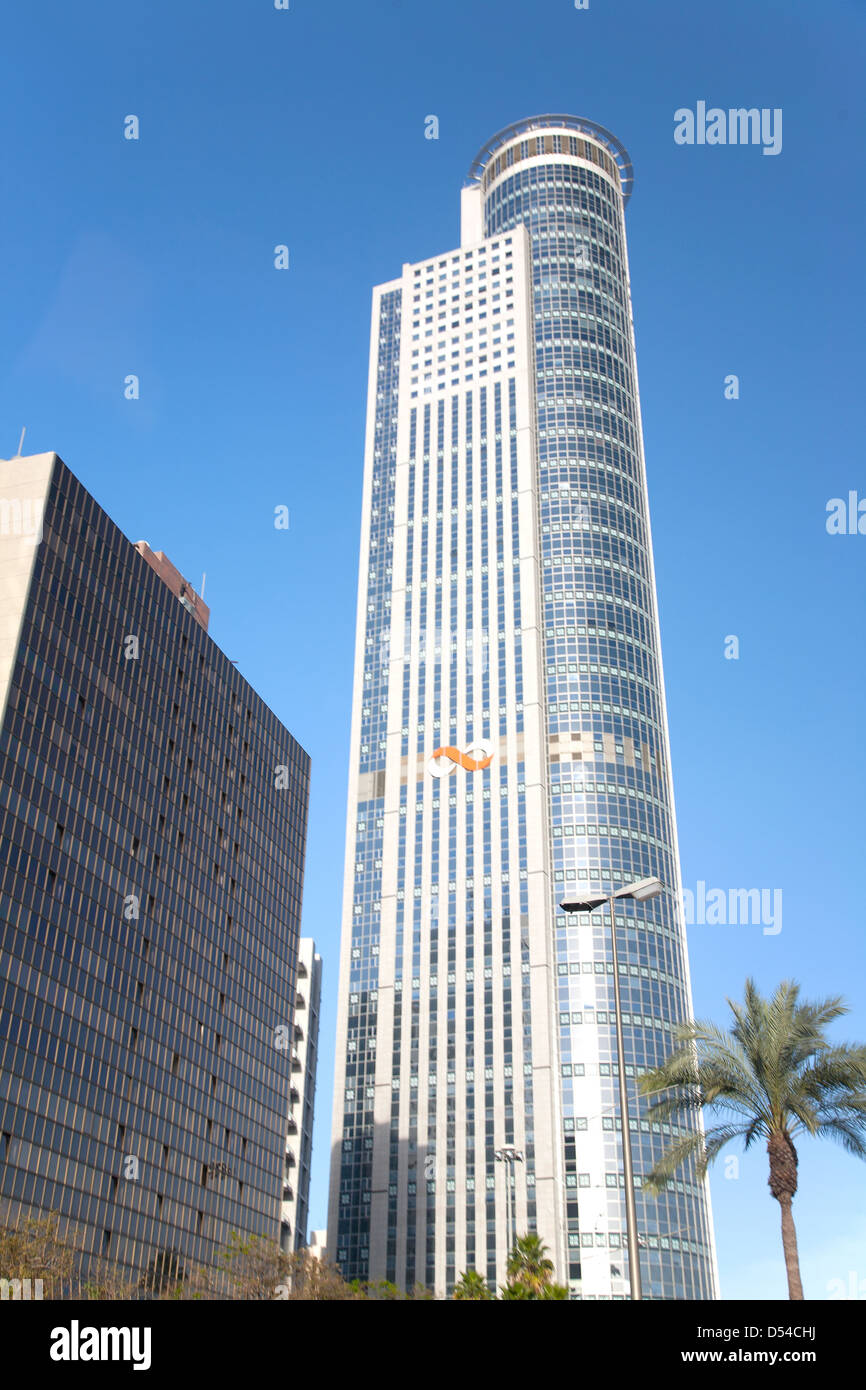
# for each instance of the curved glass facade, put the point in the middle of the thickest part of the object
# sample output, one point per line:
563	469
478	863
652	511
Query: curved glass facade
611	809
509	741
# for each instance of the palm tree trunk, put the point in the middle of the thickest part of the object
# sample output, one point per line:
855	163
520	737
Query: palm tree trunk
789	1245
782	1183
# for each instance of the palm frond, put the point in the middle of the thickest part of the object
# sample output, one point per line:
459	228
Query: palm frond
773	1072
838	1068
852	1137
704	1148
708	1069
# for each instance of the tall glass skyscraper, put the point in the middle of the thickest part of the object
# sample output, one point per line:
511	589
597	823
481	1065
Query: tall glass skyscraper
509	742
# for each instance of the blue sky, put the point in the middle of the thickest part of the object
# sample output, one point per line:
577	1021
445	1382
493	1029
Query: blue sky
306	127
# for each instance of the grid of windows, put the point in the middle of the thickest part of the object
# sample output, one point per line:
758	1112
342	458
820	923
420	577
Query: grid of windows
152	835
610	814
521	573
459	1015
350	1226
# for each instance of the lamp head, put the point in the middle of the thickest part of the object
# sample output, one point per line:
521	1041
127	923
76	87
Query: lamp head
583	900
642	890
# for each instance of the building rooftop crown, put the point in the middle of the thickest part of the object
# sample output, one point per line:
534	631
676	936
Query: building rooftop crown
553	122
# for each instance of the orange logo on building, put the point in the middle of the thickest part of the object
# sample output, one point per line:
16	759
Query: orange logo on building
457	759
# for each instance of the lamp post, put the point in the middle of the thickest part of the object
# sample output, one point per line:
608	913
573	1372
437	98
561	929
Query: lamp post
509	1157
587	900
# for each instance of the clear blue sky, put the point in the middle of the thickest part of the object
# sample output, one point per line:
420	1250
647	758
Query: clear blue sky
306	127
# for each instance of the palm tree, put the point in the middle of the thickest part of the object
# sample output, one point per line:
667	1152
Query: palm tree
530	1272
471	1286
774	1075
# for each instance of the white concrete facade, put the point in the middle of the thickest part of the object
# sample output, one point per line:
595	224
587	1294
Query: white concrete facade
24	484
464	996
294	1212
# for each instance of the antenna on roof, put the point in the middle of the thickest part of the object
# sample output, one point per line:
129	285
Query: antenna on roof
21	442
203	578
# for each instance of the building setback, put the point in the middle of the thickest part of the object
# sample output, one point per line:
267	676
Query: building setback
509	739
152	834
305	1058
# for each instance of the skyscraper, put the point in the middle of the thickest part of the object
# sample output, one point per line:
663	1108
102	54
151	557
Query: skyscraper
305	1061
509	740
153	819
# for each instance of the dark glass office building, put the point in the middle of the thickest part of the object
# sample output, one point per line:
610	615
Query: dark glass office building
152	833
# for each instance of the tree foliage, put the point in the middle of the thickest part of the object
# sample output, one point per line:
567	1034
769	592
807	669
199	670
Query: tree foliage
773	1075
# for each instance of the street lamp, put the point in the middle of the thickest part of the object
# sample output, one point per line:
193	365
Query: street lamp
587	900
509	1157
